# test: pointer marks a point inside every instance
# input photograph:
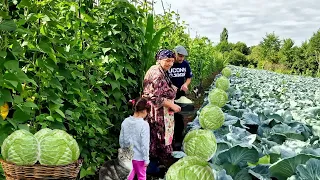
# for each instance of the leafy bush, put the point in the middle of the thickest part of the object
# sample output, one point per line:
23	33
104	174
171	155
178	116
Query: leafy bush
64	66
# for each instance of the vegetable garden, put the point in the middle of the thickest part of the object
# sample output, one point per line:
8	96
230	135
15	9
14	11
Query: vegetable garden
68	64
267	128
73	66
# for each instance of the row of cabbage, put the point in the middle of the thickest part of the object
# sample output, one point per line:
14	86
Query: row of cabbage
270	128
199	145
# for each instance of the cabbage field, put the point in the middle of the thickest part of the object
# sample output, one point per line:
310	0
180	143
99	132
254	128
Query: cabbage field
270	129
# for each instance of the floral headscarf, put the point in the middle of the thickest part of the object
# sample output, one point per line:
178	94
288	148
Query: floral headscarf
164	54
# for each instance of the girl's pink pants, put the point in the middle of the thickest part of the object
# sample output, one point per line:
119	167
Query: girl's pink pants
138	169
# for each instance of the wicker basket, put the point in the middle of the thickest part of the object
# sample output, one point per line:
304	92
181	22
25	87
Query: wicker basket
37	171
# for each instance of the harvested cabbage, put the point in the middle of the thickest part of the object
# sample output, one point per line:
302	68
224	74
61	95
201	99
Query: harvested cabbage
20	148
223	83
40	134
183	100
226	72
58	148
218	97
211	117
200	143
49	147
190	168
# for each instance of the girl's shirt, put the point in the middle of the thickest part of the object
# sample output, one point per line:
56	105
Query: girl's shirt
136	132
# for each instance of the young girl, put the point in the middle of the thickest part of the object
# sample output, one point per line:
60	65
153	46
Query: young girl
135	132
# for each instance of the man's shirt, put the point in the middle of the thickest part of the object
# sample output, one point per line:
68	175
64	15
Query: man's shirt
179	72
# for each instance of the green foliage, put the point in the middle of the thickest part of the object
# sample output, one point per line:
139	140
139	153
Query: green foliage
64	65
71	65
271	127
224	46
150	45
224	35
203	57
277	55
237	58
241	47
176	30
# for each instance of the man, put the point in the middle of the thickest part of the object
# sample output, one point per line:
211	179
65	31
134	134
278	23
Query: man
180	74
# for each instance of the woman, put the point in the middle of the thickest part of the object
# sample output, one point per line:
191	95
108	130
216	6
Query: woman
158	88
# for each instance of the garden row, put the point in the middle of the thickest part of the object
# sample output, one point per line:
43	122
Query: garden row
270	129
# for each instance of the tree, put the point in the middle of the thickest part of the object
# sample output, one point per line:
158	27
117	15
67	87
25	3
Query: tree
237	58
241	47
224	46
224	35
286	52
314	48
255	55
271	45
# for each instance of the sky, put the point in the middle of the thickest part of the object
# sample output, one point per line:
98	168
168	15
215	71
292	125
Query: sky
248	20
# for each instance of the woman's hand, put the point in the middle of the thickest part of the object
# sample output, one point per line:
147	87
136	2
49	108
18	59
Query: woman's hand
175	108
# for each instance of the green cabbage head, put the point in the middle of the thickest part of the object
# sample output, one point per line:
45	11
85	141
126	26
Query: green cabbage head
226	72
20	148
218	97
190	168
200	143
223	83
211	117
57	147
41	133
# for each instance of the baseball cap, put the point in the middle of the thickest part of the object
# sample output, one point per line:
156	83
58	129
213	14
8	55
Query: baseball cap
181	50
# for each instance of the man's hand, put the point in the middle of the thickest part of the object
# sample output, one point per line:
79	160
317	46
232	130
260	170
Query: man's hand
184	87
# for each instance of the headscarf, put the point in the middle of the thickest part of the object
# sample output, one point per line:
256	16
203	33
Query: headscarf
164	54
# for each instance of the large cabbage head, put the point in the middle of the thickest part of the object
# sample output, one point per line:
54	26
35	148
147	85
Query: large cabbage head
226	72
200	143
223	83
20	148
57	147
190	168
218	97
40	134
211	117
